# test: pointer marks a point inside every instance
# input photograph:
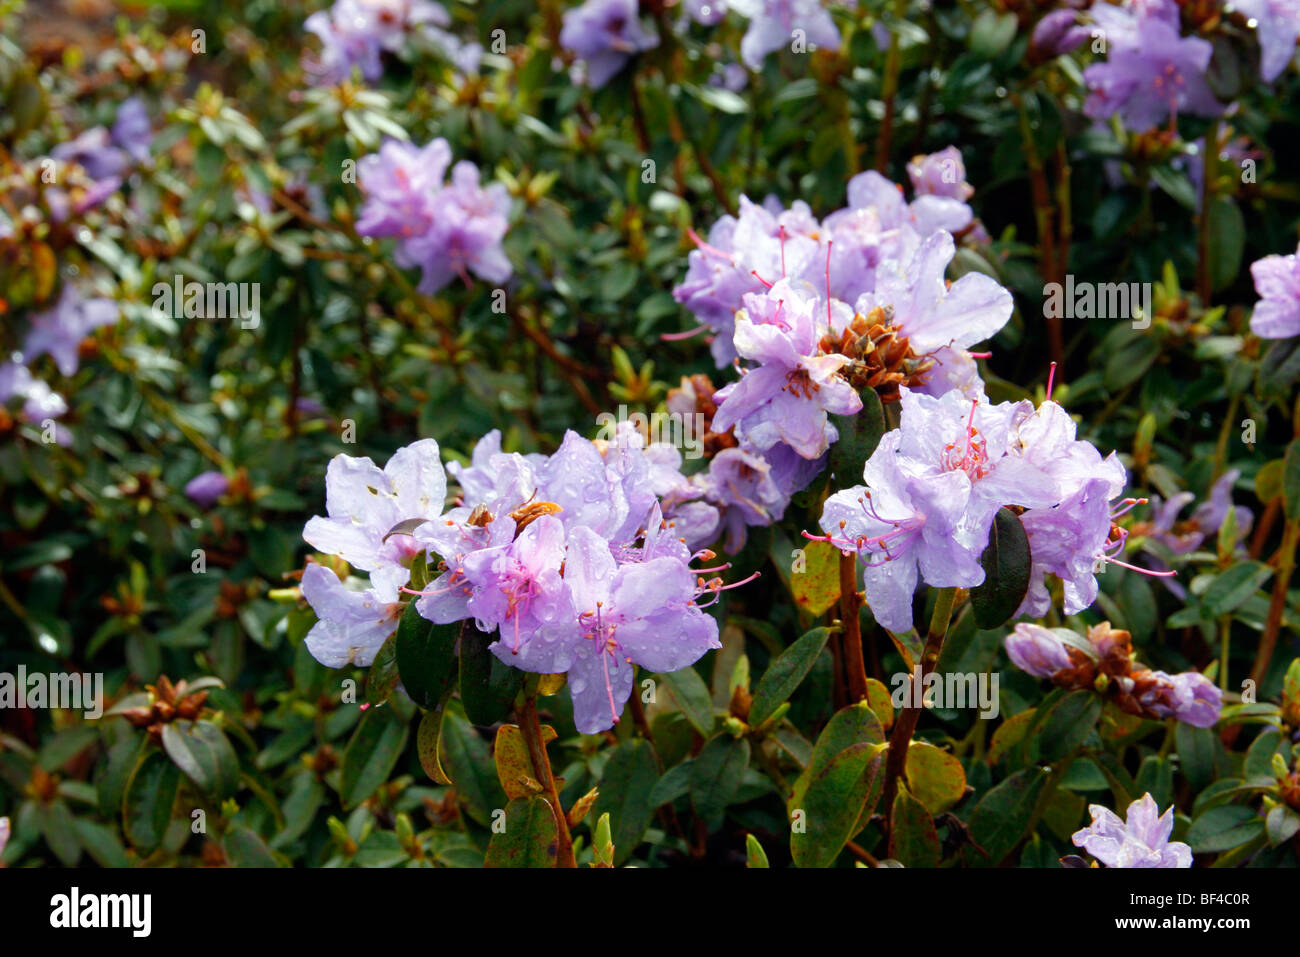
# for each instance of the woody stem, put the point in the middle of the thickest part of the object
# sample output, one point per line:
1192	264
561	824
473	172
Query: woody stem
901	737
531	728
850	604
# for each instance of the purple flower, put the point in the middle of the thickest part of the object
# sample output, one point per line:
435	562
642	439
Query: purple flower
1277	281
786	399
447	229
1152	72
1142	840
604	35
206	487
638	613
740	483
940	174
131	129
94	152
468	223
353	624
1277	23
772	25
1189	697
4	833
1037	650
355	33
1210	514
58	332
1058	33
931	313
364	503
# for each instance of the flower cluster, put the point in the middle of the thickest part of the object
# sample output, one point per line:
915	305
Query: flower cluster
446	228
1141	840
354	34
98	160
57	332
875	239
1151	73
934	485
1104	662
571	559
604	35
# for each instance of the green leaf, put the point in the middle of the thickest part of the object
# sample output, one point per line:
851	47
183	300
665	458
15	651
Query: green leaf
203	752
1291	481
1227	230
755	856
716	774
860	433
1234	587
1065	727
785	673
1281	824
625	794
829	800
816	588
370	756
1006	563
1197	750
913	841
101	843
428	737
245	849
934	776
488	686
148	800
1224	827
1002	816
426	657
691	695
58	827
381	679
530	837
470	766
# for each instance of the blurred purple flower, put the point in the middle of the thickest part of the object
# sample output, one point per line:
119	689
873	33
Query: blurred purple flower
1152	72
1277	24
1058	33
131	129
206	487
604	35
940	174
58	331
772	25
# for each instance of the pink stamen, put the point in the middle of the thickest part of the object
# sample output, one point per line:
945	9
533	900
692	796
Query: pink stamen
688	334
706	247
1051	375
754	273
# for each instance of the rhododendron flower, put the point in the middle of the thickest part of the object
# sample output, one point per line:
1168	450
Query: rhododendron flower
365	503
940	174
1277	281
1189	697
206	487
447	229
132	131
355	33
1151	73
1037	650
605	34
352	623
58	331
1141	840
772	25
1277	24
787	397
1057	33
